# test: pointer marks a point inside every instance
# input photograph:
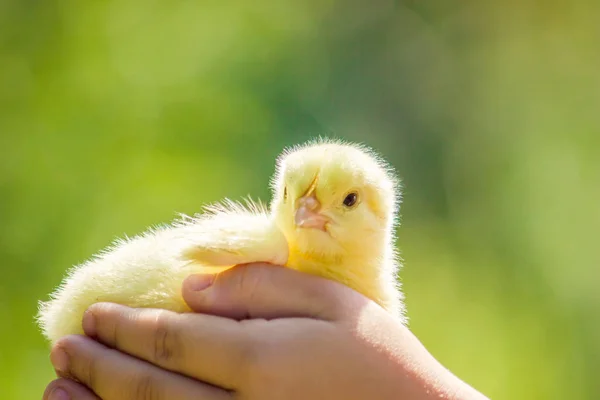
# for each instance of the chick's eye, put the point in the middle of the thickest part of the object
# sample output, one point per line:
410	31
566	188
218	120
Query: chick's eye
285	193
351	199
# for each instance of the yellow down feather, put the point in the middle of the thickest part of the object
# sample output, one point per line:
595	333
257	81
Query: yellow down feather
355	246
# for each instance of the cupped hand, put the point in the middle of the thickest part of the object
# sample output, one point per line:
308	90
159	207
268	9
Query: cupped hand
258	332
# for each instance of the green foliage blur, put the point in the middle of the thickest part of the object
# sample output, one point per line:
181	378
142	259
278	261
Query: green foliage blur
116	115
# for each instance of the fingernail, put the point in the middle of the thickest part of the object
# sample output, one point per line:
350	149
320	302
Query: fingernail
89	323
59	394
200	282
60	360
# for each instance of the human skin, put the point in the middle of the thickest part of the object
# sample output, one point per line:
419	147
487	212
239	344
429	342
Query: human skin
258	332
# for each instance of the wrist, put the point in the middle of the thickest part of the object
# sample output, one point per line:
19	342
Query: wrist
426	377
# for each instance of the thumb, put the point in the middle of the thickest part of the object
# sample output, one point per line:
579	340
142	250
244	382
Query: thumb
268	291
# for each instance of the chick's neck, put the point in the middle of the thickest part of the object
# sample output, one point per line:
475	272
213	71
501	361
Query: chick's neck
359	269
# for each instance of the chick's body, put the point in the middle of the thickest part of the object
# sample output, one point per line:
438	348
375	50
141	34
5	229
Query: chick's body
333	214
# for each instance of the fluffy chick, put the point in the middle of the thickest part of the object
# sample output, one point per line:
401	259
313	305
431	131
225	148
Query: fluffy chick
333	213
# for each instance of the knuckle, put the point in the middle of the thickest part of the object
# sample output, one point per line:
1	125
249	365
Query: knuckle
166	339
260	370
249	280
91	374
252	354
145	388
113	333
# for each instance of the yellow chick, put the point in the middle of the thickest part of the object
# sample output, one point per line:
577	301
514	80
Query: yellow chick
333	213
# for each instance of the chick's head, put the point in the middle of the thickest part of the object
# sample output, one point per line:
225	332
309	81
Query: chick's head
333	197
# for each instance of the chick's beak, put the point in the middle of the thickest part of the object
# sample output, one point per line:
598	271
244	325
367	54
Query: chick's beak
307	214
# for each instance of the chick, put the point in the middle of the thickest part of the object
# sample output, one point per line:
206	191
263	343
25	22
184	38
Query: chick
333	213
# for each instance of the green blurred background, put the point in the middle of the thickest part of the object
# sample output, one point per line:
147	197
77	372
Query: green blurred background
116	115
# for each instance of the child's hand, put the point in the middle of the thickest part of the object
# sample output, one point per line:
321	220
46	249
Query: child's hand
273	334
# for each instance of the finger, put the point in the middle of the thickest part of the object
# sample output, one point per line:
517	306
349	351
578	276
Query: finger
116	376
65	389
204	347
265	291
